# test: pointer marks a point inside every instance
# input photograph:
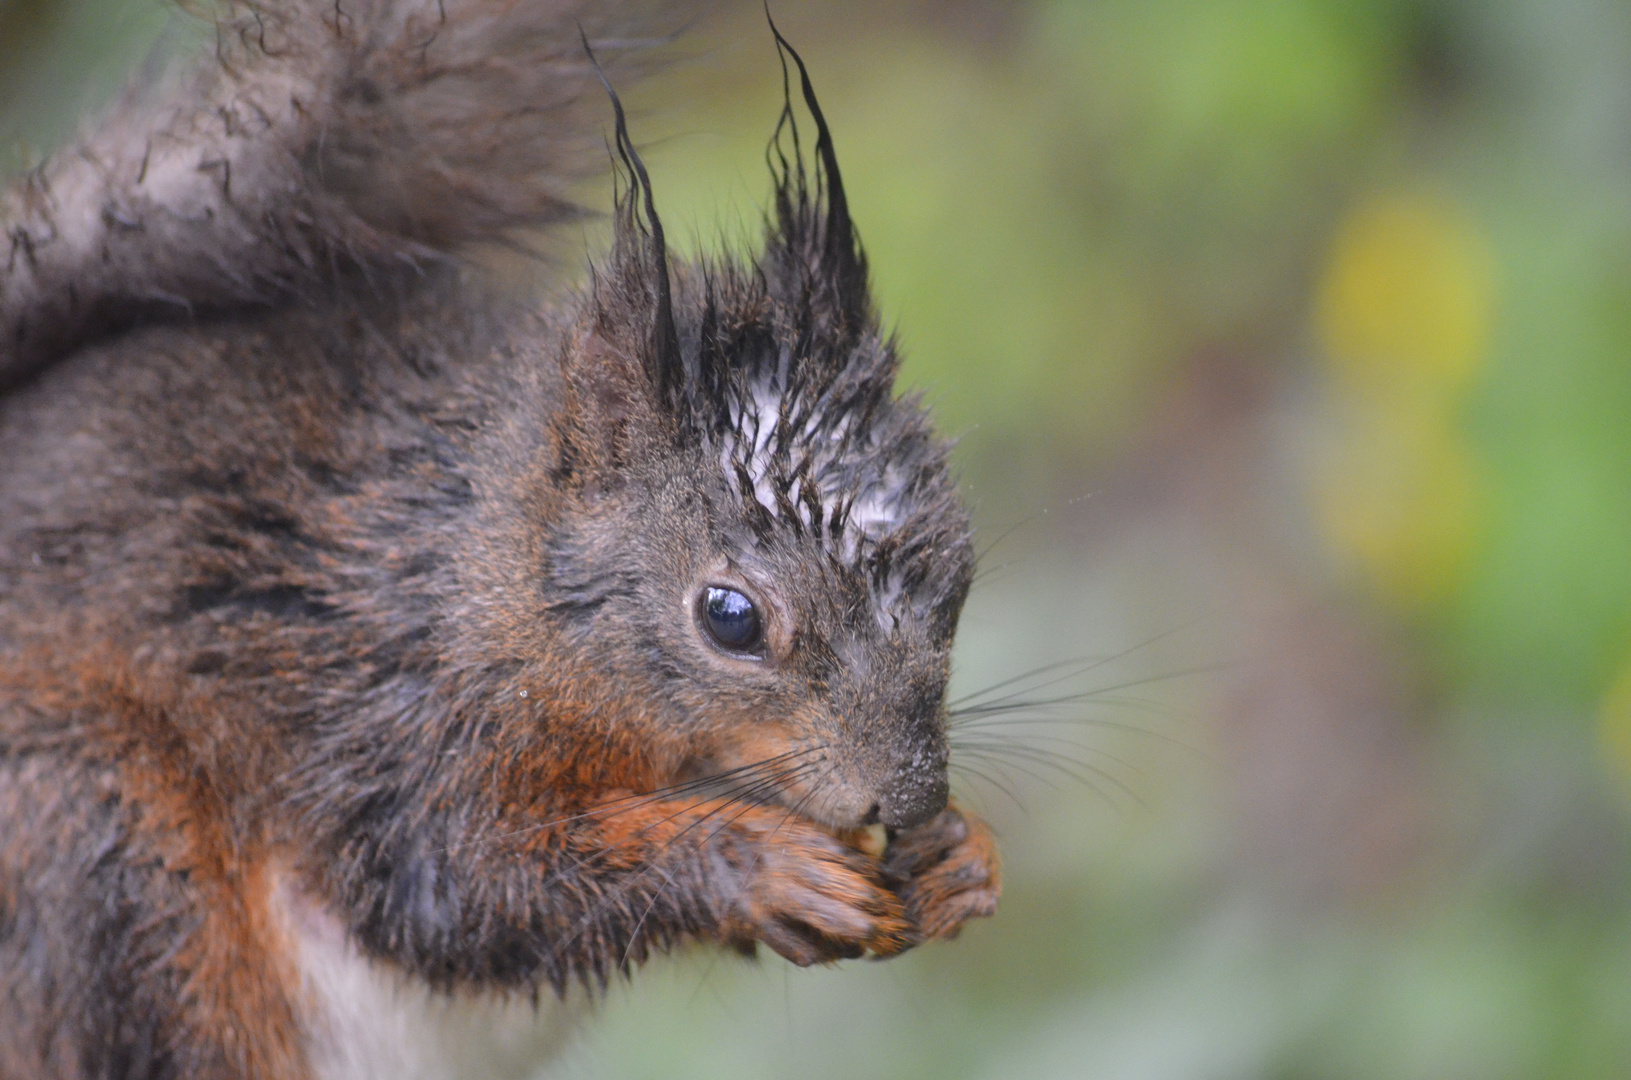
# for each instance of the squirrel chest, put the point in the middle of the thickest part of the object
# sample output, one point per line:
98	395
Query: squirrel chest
365	1020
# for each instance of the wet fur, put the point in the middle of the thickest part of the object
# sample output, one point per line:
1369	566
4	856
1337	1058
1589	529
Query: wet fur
322	564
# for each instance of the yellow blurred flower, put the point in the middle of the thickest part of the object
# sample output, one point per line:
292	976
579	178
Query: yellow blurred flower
1403	313
1399	496
1404	309
1614	721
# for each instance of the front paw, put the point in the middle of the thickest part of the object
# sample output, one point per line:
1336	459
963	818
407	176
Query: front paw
811	898
945	871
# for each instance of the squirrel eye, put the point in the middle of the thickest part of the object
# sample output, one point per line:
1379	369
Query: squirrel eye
731	619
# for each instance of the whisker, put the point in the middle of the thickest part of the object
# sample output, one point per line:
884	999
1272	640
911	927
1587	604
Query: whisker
986	739
1018	748
986	551
1008	705
1143	705
1084	663
749	795
669	878
1022	676
965	769
1059	763
594	913
989	725
1088	782
987	574
1006	763
1029	519
635	802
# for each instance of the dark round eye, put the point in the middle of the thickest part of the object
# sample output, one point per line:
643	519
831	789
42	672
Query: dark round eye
731	619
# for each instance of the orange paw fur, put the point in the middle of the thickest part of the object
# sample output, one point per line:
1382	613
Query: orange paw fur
946	871
813	899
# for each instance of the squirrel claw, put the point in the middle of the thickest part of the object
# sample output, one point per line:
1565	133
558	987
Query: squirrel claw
945	871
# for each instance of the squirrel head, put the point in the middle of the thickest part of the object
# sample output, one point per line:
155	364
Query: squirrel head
762	555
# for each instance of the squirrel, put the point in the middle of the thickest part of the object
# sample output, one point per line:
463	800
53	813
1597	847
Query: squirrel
388	661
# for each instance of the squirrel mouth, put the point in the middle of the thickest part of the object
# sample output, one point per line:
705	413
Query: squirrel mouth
839	792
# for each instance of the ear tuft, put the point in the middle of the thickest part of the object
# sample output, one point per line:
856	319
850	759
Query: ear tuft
814	225
641	247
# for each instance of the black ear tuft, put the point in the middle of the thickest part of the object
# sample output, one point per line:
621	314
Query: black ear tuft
839	260
640	246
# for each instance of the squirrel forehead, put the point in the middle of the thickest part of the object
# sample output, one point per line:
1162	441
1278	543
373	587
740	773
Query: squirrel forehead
830	474
825	453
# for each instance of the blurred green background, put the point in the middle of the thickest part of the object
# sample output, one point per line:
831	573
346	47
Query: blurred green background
1289	344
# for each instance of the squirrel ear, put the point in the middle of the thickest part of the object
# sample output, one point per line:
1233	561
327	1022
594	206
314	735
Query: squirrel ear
611	420
815	225
625	362
641	251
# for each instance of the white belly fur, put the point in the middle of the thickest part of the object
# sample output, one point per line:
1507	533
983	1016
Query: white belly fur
366	1020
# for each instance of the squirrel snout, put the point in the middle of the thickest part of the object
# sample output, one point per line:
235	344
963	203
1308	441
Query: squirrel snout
913	796
904	759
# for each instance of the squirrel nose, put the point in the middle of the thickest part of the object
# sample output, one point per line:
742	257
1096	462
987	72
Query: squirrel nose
908	800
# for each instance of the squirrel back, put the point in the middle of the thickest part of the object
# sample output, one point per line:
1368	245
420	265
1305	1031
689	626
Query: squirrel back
363	625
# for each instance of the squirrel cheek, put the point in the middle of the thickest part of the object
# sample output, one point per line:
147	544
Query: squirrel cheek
768	747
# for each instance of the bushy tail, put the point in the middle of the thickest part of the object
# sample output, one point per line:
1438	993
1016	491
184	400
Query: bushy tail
323	138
